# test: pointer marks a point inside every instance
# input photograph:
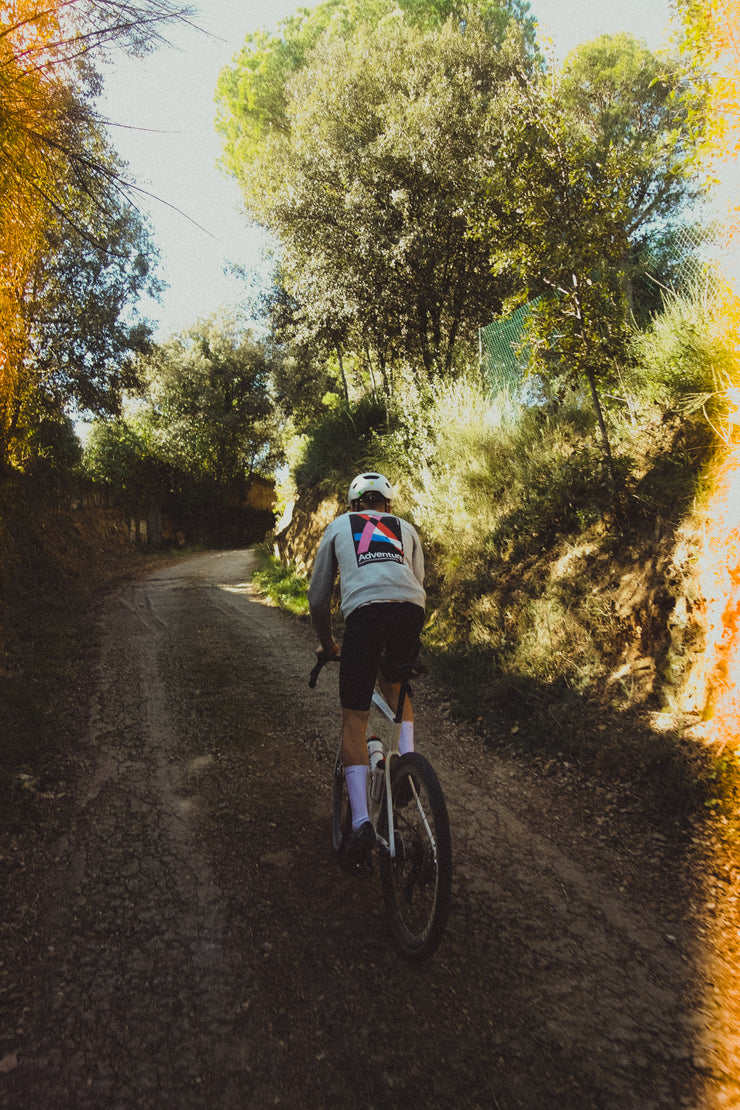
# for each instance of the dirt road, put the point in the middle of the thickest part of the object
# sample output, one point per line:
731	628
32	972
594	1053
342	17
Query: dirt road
194	944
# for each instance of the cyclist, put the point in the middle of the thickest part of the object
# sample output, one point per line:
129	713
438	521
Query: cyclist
381	575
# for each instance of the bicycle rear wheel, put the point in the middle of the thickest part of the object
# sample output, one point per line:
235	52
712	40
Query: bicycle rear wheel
341	819
417	884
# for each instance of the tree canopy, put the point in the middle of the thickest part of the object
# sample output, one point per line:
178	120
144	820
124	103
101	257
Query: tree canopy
422	171
709	39
208	408
359	162
599	160
253	93
710	42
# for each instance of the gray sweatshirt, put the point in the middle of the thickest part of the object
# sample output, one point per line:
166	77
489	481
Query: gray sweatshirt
379	557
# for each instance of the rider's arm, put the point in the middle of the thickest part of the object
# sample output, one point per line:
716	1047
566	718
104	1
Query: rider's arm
320	591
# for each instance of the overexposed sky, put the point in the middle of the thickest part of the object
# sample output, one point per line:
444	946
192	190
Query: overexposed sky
162	108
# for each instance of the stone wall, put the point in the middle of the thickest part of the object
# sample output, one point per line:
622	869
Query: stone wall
299	531
259	494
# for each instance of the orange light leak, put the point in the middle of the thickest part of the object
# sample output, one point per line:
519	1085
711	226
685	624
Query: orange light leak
714	688
714	685
32	25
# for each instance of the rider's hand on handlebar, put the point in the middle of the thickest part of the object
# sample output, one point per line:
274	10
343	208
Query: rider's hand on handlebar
323	656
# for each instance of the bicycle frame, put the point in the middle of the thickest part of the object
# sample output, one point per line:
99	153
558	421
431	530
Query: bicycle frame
382	705
388	751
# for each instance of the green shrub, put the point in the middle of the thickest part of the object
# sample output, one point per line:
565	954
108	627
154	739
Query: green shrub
282	584
683	362
498	478
340	445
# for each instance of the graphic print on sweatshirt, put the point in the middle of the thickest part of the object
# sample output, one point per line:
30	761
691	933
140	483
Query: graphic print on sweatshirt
377	539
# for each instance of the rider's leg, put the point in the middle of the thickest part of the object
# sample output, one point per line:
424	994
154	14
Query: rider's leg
391	691
354	758
403	630
406	737
354	737
360	657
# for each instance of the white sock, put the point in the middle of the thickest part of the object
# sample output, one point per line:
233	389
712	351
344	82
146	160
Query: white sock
406	739
356	779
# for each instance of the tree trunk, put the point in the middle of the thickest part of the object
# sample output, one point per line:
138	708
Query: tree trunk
591	378
341	371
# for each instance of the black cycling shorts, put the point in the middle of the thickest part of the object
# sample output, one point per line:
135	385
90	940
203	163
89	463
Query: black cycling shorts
380	637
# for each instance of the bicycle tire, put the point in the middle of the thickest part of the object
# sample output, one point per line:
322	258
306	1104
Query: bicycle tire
417	884
341	818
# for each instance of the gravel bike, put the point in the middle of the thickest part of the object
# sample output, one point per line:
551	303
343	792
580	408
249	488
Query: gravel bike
412	830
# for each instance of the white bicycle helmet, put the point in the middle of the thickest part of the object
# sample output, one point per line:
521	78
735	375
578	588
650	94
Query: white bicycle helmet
364	483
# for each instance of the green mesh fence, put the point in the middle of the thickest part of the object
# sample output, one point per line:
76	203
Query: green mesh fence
698	245
502	355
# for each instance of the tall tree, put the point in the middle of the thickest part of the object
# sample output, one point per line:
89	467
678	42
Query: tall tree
253	95
709	37
363	177
209	408
81	305
55	169
82	324
599	157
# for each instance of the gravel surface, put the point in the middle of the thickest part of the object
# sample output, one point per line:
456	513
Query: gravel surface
187	940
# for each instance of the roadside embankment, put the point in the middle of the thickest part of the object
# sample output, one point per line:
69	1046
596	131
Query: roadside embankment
58	552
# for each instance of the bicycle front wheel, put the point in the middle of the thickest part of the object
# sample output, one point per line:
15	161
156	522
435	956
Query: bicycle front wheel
417	884
341	818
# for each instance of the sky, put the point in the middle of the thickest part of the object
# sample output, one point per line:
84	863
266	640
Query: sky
161	110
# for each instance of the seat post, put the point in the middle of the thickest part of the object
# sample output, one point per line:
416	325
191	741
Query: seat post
402	695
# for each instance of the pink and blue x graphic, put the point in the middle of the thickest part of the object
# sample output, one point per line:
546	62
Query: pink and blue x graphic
369	531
